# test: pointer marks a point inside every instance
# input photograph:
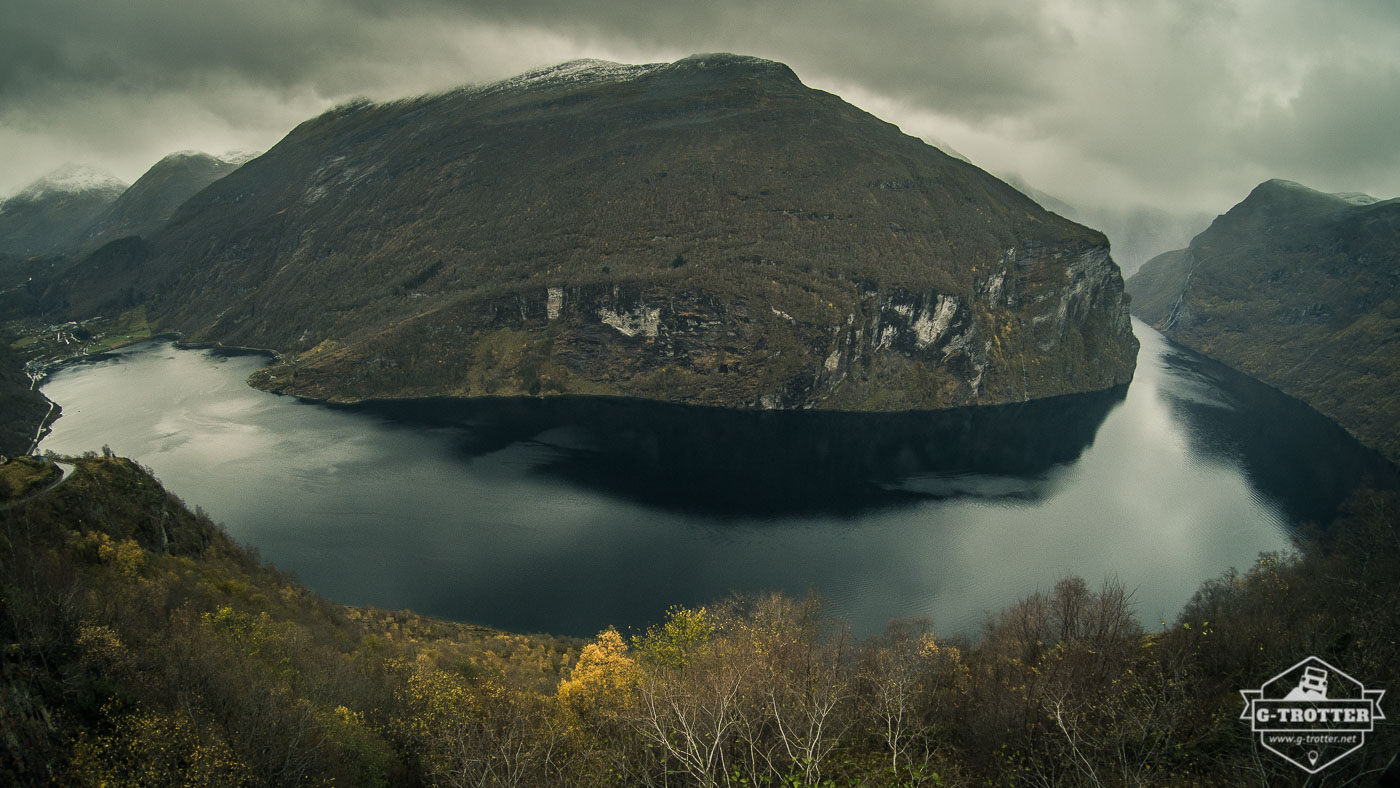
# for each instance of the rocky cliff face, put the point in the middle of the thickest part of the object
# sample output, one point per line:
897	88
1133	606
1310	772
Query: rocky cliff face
1016	337
708	231
1300	289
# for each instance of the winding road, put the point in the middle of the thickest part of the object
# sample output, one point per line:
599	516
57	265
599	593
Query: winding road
65	470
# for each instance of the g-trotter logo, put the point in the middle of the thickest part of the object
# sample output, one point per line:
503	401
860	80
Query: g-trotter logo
1312	715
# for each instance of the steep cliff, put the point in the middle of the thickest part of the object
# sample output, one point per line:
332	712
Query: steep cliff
1300	289
708	231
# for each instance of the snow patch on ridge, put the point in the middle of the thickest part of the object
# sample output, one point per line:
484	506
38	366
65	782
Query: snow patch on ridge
574	72
1356	198
239	156
72	179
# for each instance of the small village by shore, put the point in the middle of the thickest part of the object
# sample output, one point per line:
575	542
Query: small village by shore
44	347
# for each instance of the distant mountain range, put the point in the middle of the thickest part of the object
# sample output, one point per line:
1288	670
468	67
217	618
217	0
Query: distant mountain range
76	209
1300	289
52	214
152	199
708	231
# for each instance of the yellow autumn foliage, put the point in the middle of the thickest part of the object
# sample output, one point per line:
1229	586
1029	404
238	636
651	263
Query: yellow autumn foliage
604	674
686	633
152	748
126	555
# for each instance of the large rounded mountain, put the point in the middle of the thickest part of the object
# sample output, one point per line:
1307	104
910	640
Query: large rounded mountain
708	231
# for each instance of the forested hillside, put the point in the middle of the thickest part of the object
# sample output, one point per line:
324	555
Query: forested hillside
1299	289
145	648
22	409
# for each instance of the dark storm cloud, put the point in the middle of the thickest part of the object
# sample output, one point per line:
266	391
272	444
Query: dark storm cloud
100	78
978	57
143	46
962	56
133	80
1181	106
1342	127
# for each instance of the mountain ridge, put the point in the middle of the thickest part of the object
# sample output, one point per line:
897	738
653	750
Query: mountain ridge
74	209
150	202
1300	289
708	231
51	214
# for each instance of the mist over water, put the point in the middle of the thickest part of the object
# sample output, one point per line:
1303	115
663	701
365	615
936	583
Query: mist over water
567	515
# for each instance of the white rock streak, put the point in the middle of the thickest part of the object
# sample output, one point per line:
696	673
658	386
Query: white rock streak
929	327
642	320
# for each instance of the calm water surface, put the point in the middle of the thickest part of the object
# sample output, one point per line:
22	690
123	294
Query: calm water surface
567	515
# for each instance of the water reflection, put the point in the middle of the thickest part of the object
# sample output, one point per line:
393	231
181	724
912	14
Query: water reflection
570	515
1297	458
730	464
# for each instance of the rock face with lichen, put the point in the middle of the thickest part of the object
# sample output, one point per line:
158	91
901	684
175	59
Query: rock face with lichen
1300	289
708	231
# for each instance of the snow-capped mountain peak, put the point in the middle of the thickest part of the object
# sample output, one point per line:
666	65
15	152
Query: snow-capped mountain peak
570	73
72	179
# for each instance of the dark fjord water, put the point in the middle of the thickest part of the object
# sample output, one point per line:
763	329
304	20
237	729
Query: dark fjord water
567	515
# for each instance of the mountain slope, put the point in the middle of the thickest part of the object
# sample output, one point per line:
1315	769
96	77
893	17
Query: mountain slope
22	409
152	199
708	231
145	647
53	213
1300	289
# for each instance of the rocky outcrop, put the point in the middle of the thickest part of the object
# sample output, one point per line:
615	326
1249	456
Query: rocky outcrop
708	231
1018	336
1299	289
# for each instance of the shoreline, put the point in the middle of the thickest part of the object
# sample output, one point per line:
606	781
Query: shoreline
45	424
231	350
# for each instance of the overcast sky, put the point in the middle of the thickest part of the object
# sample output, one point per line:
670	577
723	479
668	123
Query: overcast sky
1111	105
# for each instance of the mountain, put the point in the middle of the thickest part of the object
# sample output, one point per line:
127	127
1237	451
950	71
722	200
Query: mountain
709	231
1300	289
77	207
153	198
54	224
52	213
